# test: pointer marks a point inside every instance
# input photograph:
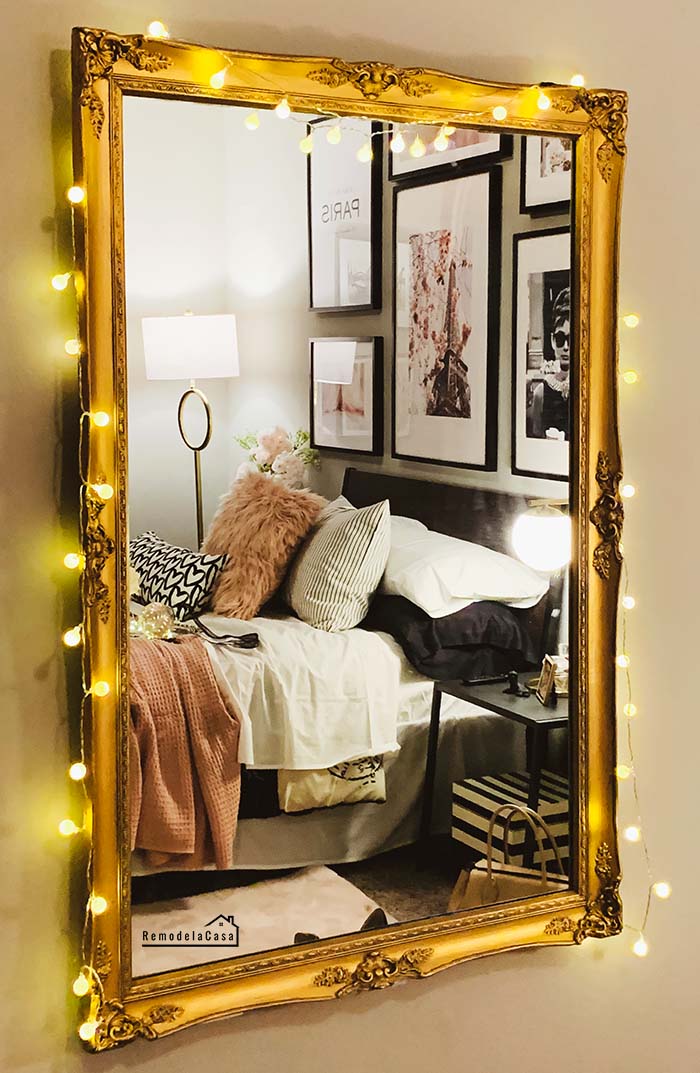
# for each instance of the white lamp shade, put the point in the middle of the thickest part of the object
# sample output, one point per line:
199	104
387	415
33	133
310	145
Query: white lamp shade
542	539
190	348
334	361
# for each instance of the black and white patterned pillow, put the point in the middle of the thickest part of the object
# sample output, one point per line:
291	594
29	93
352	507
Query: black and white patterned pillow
180	578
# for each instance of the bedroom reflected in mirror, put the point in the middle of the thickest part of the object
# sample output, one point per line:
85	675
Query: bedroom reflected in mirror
349	525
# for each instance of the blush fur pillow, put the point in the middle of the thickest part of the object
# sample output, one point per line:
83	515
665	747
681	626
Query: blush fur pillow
259	525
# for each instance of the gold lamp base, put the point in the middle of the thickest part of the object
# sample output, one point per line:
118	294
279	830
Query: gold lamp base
196	451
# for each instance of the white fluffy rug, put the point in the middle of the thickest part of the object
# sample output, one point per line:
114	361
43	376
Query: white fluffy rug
268	914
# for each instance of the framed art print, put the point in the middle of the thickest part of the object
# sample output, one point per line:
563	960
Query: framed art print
546	167
466	148
542	357
345	217
446	308
346	394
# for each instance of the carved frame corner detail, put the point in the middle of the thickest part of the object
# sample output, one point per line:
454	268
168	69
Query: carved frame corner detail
603	916
99	51
607	110
116	1027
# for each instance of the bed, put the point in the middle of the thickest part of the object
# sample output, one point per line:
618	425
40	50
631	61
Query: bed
472	741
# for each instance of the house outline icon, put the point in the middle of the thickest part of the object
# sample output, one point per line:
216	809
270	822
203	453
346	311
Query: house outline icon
224	921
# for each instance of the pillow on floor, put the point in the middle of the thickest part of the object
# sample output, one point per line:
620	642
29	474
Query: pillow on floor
340	565
259	525
180	578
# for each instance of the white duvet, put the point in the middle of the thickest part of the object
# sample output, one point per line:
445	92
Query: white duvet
306	698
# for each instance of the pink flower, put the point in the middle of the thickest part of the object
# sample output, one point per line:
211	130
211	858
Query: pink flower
271	443
245	468
290	469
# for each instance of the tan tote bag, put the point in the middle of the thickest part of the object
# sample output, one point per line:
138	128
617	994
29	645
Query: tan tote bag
489	881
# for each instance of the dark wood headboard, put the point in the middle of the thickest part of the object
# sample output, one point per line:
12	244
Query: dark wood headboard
476	514
479	515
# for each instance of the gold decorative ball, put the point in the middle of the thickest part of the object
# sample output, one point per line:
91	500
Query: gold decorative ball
157	621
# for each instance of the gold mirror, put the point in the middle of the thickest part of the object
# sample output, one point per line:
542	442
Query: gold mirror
351	523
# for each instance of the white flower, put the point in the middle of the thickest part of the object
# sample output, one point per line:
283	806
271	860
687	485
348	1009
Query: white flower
290	469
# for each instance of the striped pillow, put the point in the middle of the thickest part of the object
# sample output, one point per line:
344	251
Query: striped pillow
340	565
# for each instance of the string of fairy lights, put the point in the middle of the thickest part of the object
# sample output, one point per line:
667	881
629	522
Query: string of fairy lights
88	981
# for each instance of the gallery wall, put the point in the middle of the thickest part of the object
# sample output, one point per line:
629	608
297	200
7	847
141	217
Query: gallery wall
573	1009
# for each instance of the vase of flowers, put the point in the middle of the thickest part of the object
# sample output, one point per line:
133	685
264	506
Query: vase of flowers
283	455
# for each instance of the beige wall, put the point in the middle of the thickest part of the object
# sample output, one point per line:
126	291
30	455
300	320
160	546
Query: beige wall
576	1011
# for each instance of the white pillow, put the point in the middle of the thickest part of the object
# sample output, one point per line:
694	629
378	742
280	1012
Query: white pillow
442	574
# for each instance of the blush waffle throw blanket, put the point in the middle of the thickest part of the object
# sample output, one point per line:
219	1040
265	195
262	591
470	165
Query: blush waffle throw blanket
184	775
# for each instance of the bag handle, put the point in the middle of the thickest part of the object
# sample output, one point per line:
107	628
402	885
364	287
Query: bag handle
543	825
537	826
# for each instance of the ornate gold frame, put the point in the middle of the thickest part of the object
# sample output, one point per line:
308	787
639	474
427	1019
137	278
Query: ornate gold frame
107	66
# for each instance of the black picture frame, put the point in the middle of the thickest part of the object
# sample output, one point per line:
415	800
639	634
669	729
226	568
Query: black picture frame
558	207
375	174
524	236
494	229
376	393
443	169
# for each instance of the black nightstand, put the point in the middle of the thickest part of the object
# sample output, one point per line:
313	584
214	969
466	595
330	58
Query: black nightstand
535	717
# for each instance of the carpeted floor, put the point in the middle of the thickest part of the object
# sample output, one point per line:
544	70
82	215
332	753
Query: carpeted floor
406	886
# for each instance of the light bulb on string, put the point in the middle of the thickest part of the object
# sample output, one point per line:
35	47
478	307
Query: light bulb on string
632	833
628	602
627	491
98	905
334	134
100	418
60	281
104	491
499	112
630	376
75	194
631	320
577	80
630	710
81	985
73	637
448	130
87	1030
417	147
67	828
77	771
622	661
306	144
72	347
364	153
662	890
641	947
252	121
441	142
218	79
397	143
157	28
543	102
72	560
101	689
623	771
282	110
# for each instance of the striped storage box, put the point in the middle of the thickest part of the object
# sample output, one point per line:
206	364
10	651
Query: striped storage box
474	800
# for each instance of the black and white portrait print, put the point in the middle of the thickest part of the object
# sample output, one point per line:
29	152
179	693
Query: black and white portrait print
548	356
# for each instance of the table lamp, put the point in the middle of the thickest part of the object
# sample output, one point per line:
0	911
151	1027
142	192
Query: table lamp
192	348
542	536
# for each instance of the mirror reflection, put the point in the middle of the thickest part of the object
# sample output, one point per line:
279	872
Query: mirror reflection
350	376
